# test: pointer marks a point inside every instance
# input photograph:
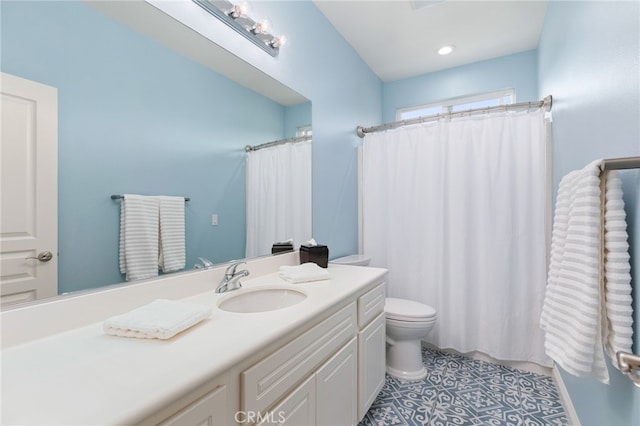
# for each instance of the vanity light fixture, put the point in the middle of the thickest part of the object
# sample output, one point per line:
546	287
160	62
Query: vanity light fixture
445	50
235	16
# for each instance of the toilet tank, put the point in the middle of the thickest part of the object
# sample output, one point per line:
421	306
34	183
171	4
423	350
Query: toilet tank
354	259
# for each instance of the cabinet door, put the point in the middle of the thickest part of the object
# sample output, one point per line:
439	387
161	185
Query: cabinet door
371	363
336	388
274	376
296	409
210	410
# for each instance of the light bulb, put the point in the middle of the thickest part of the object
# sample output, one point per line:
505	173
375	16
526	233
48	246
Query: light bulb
261	27
278	41
238	10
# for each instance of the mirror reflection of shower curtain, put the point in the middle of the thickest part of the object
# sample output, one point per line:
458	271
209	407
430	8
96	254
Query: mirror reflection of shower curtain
278	196
457	211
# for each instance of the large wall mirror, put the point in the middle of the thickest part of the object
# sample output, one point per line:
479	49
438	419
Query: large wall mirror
141	111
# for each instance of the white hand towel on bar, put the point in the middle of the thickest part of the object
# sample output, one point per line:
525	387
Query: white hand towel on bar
574	315
160	319
619	310
172	240
139	236
306	272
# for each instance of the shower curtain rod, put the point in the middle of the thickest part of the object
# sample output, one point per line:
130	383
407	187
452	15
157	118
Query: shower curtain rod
250	148
546	103
621	163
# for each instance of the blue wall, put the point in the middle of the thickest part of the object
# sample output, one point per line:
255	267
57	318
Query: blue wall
296	116
134	117
517	71
588	60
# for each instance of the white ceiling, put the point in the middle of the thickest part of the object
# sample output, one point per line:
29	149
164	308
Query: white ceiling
400	38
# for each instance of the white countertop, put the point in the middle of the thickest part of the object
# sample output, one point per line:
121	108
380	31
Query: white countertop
83	376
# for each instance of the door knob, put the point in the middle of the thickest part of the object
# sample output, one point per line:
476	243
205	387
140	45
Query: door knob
43	256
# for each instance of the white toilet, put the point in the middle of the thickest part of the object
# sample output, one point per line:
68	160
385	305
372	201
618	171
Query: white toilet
407	323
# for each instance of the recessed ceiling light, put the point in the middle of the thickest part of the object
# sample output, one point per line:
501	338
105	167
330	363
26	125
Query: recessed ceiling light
445	50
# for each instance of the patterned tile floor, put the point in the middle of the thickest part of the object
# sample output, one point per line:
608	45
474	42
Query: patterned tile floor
463	391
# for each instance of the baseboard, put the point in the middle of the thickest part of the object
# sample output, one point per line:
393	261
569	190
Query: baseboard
532	367
565	399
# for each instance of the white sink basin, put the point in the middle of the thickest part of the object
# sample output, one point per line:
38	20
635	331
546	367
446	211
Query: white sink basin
261	300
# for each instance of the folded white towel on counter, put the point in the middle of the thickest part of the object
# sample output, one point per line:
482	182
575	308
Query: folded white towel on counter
160	319
306	272
139	237
172	255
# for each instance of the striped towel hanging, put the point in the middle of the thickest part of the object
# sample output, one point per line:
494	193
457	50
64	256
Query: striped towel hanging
581	315
172	237
139	237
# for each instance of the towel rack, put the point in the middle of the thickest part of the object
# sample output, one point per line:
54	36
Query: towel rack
628	363
621	163
120	197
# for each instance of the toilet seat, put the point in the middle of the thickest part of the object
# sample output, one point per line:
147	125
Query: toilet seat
408	310
411	324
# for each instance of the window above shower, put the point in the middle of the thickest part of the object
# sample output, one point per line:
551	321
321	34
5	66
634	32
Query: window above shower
502	97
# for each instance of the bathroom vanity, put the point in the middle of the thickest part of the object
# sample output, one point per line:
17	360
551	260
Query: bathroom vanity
318	361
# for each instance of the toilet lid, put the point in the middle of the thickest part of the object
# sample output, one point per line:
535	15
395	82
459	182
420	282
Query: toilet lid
408	310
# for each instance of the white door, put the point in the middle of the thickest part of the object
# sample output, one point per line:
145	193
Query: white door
29	190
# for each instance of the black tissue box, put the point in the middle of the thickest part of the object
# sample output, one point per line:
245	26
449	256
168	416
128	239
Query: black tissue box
281	247
316	254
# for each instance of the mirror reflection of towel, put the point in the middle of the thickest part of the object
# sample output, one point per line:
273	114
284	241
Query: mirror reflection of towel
152	235
139	233
172	251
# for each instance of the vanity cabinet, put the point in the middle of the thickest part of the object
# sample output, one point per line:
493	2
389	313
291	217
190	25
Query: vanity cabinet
318	362
329	375
327	397
275	375
342	388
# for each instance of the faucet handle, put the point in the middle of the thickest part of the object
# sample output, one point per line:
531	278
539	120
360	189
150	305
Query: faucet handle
231	269
206	262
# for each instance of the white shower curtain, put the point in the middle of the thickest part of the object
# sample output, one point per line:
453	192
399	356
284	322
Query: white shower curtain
457	211
278	196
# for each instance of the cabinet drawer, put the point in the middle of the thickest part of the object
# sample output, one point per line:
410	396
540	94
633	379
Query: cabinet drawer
370	305
266	382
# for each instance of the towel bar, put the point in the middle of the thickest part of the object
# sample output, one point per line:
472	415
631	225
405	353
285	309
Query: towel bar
630	365
120	197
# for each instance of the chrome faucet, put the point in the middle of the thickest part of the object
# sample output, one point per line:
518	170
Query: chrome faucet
231	279
206	264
